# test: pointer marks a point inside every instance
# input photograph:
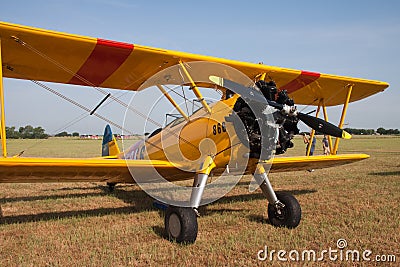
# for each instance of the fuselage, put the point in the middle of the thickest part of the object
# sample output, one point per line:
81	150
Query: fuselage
188	142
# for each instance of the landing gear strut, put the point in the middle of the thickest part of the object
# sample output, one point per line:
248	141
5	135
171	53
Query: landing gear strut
181	222
283	209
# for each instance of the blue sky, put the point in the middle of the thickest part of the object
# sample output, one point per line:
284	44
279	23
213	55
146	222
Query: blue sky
351	38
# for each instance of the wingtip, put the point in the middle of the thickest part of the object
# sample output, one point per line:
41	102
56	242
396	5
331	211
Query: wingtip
346	135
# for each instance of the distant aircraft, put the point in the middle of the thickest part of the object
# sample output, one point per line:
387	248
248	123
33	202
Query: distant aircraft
254	120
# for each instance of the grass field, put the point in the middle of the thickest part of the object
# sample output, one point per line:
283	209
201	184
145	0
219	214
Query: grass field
81	224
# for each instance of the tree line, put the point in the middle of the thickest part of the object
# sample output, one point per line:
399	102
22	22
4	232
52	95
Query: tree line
380	130
27	132
66	134
30	132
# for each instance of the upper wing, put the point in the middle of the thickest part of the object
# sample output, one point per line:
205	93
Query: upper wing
30	170
31	53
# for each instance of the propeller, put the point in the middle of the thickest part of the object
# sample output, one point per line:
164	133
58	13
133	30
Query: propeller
250	94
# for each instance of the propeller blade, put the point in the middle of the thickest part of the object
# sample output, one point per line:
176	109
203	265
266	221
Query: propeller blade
323	126
248	93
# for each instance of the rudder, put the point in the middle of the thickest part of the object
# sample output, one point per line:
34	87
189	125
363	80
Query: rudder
109	146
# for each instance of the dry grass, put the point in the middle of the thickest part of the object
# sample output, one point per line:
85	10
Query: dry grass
83	225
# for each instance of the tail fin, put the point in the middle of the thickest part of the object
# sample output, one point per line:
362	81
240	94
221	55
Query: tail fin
110	146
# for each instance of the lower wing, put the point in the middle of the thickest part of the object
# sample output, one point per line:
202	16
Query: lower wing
281	164
39	170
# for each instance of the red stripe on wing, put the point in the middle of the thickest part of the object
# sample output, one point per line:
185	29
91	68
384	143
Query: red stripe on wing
304	79
105	59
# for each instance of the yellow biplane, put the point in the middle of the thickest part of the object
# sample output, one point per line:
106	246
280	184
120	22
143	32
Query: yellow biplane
254	120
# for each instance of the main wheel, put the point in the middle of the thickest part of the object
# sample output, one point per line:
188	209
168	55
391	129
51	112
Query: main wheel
181	224
288	216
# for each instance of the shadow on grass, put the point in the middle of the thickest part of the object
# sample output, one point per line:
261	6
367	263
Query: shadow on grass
160	231
50	197
65	214
138	200
259	195
389	173
257	217
125	196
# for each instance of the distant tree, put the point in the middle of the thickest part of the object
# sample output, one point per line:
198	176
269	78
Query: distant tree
62	134
12	133
39	133
370	131
27	132
384	131
75	134
392	131
360	131
381	130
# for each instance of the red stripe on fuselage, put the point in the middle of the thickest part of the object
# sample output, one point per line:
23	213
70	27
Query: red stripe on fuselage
304	79
105	59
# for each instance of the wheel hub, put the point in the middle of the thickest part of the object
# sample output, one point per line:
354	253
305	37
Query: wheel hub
174	225
280	210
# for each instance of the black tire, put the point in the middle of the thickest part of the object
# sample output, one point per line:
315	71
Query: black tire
181	224
289	216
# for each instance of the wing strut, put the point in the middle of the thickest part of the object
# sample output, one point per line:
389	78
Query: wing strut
326	118
3	119
178	108
262	78
344	112
195	89
313	131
